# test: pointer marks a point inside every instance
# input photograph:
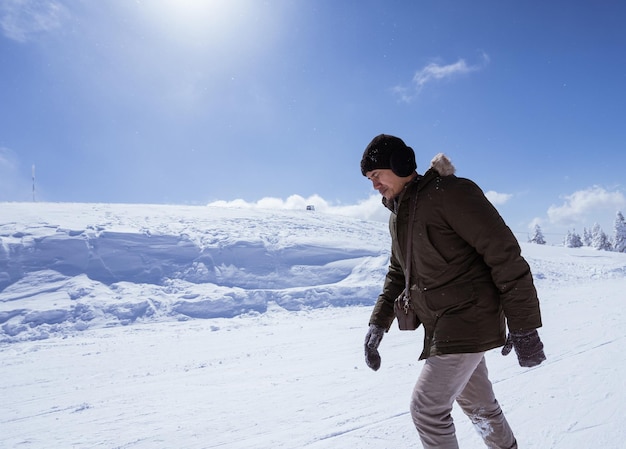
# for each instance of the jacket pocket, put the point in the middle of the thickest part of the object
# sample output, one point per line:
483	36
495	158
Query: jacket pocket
456	315
450	299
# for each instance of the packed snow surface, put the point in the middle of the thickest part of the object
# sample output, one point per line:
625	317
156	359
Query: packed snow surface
145	326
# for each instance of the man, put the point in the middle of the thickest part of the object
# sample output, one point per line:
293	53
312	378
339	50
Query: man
466	282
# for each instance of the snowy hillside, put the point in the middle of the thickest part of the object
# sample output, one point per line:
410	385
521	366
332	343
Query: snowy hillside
77	266
142	326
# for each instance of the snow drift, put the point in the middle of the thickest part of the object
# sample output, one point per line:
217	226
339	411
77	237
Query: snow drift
105	265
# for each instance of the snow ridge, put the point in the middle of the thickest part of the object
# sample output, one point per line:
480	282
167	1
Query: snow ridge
181	263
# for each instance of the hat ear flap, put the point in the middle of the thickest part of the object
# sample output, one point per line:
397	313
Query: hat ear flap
402	161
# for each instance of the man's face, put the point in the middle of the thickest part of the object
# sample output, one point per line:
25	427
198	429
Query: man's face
386	182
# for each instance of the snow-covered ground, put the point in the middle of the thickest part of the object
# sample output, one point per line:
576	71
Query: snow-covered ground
144	326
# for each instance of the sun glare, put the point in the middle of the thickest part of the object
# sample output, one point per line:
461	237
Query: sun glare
193	19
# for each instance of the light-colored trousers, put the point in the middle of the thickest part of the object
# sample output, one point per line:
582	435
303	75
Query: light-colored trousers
464	378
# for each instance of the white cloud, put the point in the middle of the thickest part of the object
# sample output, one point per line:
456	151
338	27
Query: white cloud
583	205
369	209
294	202
434	72
498	199
21	20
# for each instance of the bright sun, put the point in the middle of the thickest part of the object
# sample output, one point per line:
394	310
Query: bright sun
193	19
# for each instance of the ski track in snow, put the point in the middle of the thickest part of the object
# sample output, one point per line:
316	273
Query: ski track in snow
277	363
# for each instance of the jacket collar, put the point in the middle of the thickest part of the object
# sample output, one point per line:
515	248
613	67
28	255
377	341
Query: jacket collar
440	165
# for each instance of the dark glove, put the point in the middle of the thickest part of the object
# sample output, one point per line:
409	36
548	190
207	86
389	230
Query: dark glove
528	347
372	340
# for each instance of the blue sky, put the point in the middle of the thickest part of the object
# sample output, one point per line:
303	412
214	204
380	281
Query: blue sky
272	102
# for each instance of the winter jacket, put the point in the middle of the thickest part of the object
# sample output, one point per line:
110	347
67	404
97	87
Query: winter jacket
467	272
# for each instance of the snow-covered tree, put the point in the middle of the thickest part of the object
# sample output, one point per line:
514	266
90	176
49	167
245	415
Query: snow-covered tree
573	240
586	237
599	239
537	236
619	240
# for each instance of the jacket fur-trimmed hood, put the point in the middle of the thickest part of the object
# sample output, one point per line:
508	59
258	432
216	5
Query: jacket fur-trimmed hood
442	165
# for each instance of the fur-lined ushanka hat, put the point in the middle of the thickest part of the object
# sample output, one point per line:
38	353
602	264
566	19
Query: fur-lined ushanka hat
388	152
